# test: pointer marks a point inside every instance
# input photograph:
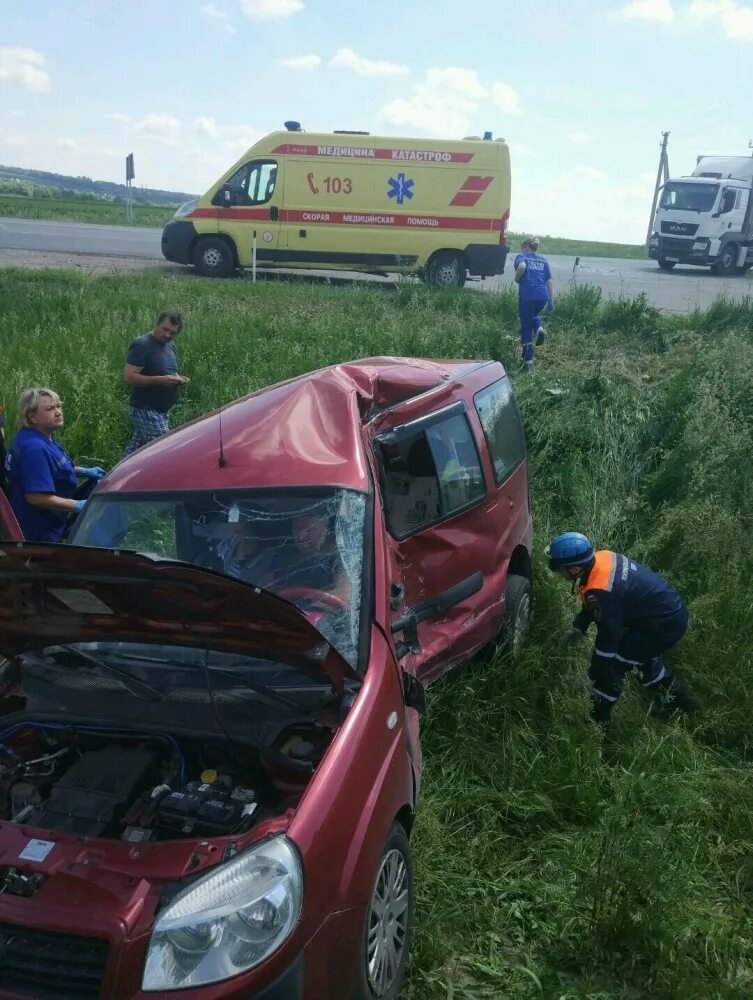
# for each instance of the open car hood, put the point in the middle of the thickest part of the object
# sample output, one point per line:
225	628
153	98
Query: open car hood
55	594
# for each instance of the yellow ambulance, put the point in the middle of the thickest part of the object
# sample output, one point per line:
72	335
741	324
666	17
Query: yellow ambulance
354	201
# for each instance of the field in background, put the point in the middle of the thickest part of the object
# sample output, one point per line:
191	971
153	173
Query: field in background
552	861
580	248
79	210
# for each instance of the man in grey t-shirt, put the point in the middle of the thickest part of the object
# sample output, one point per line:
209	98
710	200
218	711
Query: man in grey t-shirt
151	372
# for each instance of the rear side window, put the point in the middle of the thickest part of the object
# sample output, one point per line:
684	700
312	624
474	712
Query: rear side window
503	429
429	473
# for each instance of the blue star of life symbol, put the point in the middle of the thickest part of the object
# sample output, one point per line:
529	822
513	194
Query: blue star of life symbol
400	188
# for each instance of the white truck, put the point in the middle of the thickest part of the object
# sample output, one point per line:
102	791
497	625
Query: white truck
707	219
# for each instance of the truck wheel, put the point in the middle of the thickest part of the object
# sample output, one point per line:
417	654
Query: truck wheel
517	614
389	917
666	265
726	262
213	257
446	269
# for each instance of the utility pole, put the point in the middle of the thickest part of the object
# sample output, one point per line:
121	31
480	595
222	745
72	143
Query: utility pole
130	174
662	176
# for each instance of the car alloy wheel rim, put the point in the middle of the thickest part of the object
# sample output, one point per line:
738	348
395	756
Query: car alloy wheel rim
212	258
388	923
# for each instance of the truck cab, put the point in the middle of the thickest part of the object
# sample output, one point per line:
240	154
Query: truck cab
705	219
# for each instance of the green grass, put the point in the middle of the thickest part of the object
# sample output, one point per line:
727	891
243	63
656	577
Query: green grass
77	210
551	860
581	248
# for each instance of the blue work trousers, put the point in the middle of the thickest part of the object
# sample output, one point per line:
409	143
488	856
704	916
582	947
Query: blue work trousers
530	311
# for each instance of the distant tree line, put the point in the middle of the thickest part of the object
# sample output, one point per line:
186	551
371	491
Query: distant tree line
47	184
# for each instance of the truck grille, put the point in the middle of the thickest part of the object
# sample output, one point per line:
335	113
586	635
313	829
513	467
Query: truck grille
670	245
50	966
679	228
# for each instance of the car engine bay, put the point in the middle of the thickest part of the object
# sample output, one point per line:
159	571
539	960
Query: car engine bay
122	785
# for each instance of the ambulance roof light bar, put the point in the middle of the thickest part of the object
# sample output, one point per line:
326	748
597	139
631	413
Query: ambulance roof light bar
292	126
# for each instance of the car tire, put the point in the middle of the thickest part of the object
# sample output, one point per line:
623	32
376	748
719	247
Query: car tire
517	614
213	257
446	269
389	921
666	265
726	262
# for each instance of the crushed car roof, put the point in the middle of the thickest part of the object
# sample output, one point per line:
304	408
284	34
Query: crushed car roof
302	432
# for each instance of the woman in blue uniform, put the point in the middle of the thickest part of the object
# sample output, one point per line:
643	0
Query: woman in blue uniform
42	479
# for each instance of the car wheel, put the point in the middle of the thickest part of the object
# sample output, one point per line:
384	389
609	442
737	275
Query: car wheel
517	614
446	270
726	262
213	257
666	265
389	919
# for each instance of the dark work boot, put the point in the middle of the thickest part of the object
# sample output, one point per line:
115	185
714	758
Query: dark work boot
669	699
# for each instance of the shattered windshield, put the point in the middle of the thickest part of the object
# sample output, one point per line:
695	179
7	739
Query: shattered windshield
305	547
681	196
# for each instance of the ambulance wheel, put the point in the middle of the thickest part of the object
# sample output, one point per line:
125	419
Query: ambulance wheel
666	265
446	270
213	257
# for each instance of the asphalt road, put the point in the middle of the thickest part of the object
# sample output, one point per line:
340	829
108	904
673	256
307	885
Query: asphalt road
680	290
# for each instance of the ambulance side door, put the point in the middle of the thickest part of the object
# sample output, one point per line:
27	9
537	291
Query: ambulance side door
249	203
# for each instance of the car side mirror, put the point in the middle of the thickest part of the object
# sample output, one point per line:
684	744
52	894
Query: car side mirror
414	693
715	215
225	197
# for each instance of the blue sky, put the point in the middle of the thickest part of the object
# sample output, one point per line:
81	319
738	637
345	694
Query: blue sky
581	90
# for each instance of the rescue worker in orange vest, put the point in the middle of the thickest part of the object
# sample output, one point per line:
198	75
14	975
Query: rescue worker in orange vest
638	616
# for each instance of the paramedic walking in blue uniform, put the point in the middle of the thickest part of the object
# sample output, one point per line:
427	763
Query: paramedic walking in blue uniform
638	617
42	479
533	277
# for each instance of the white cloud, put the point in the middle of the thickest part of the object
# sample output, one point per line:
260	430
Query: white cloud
159	126
446	101
661	11
348	59
580	138
445	115
117	116
15	113
66	142
592	172
506	98
736	19
219	16
24	68
460	81
302	62
207	126
270	10
14	141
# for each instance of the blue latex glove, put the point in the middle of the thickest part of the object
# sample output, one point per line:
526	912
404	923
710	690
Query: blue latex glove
92	472
80	504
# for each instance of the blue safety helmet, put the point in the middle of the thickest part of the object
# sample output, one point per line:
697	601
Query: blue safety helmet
569	549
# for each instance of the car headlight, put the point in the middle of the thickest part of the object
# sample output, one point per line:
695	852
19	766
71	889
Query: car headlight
228	921
186	208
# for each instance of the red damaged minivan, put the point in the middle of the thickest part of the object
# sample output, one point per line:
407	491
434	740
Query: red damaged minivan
209	753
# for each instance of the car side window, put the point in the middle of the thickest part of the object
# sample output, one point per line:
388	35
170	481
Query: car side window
430	474
503	429
253	184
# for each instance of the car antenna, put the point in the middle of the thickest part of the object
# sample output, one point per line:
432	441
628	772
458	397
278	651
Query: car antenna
221	461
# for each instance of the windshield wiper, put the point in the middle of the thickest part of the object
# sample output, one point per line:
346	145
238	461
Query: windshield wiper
261	689
129	679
